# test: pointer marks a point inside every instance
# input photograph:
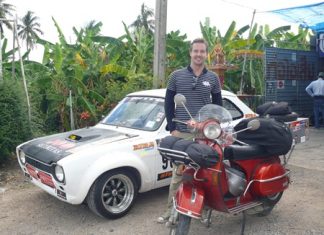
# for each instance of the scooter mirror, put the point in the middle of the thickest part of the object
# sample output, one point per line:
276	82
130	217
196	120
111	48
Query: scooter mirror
253	124
179	99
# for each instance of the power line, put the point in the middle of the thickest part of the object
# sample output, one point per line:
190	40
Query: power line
244	6
237	4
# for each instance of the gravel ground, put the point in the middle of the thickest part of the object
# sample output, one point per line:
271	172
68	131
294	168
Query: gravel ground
25	209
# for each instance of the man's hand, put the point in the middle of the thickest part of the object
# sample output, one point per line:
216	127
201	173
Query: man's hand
175	133
192	124
227	138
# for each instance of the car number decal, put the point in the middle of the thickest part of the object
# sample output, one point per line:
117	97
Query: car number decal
165	163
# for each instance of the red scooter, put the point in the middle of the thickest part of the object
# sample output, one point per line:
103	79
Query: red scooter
222	172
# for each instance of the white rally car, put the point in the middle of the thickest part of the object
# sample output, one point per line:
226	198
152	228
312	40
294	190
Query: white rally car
108	164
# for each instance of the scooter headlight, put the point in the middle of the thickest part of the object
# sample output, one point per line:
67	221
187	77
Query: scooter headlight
212	131
59	173
22	157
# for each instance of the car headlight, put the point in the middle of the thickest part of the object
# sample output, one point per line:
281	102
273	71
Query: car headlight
212	131
22	157
59	173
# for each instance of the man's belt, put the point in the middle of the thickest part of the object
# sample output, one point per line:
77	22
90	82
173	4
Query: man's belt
318	96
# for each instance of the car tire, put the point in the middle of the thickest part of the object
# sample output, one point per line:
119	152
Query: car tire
113	194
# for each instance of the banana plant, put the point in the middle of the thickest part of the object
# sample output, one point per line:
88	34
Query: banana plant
246	53
138	50
231	41
177	51
253	75
299	41
69	70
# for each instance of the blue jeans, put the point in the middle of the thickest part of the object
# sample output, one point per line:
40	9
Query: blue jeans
318	108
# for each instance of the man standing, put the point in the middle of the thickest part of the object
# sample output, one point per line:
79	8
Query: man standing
316	90
200	87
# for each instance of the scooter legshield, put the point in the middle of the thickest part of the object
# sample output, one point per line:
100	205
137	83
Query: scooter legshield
190	200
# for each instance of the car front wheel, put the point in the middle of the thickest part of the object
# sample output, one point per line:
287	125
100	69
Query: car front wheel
113	194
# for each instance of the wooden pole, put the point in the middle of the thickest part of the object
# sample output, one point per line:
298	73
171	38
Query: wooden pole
71	111
13	68
159	62
22	72
1	74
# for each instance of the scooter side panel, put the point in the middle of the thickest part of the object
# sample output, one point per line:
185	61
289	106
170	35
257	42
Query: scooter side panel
190	200
270	179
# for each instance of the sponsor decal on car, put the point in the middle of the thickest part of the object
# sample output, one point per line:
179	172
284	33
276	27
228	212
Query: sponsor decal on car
145	146
56	145
164	175
50	148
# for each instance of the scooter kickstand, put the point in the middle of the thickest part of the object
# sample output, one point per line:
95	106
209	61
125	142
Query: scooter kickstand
243	223
209	213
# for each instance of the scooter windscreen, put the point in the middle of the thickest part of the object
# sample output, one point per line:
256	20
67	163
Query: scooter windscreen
223	117
213	111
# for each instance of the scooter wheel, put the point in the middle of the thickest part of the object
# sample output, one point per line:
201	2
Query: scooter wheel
183	225
268	203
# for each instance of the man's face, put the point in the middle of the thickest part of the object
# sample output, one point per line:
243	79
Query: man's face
198	54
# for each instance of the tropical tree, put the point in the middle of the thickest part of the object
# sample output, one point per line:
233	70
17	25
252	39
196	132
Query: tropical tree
78	74
5	11
7	55
145	19
299	41
231	41
251	57
68	82
29	29
177	51
246	53
228	44
138	50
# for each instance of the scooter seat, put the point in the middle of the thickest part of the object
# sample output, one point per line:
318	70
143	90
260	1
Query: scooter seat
245	152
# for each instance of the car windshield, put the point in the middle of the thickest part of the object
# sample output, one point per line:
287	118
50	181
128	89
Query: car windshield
144	113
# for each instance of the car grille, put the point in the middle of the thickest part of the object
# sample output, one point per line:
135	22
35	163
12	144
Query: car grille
40	165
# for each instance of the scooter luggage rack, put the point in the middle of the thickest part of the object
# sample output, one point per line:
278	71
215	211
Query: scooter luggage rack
285	157
177	157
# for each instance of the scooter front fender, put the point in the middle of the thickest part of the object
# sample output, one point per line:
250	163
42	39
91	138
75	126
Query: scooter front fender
190	200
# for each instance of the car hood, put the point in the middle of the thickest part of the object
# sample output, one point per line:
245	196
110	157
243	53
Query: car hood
52	148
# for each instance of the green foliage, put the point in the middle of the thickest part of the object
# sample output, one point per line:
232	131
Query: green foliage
118	89
74	68
29	29
246	53
137	53
42	121
145	20
100	70
14	126
177	50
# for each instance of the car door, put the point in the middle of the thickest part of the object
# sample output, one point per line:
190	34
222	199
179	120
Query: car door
163	168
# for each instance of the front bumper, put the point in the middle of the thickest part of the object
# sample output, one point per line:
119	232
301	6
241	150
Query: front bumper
42	175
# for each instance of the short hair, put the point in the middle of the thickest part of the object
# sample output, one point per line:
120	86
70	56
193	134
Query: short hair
199	40
321	75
